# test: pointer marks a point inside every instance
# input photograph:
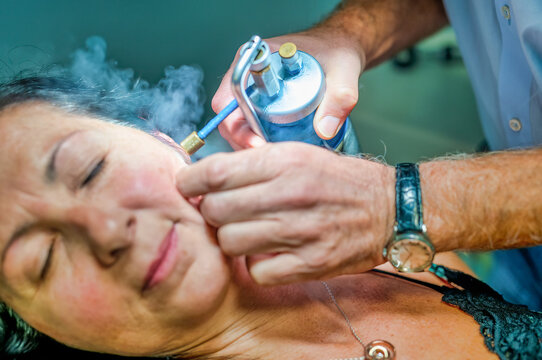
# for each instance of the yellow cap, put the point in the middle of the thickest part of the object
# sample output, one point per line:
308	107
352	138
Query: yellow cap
287	50
192	143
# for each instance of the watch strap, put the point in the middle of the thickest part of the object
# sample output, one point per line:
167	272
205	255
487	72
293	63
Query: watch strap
408	198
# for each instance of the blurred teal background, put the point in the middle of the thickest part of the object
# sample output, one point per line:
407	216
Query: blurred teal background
404	114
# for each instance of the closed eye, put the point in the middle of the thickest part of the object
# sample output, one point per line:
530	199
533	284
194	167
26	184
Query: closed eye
48	260
94	173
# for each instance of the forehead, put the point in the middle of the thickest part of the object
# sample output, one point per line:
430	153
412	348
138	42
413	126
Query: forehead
28	133
38	124
29	130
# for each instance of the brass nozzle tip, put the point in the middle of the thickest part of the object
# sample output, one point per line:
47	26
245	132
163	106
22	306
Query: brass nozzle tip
287	50
192	143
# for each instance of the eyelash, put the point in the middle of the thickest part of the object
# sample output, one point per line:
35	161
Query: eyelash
94	173
48	260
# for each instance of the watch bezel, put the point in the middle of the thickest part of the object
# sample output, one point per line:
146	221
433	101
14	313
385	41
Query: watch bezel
409	235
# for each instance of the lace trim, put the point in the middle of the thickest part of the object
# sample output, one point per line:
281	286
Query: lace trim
513	332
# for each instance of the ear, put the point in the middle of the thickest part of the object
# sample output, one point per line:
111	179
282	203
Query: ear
165	139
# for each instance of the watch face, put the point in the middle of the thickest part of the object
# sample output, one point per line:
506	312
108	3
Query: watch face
410	252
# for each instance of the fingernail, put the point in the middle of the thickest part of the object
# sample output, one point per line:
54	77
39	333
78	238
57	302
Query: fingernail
328	126
195	201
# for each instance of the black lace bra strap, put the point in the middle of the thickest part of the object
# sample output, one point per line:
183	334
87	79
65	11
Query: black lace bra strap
449	277
513	332
440	289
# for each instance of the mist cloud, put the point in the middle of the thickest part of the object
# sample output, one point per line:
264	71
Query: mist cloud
174	105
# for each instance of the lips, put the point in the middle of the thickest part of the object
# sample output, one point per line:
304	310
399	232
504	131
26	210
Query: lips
162	265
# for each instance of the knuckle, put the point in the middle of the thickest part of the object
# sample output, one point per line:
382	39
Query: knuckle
223	94
323	256
212	210
346	96
227	242
224	131
239	138
216	103
293	154
302	193
216	172
301	197
318	261
276	156
276	150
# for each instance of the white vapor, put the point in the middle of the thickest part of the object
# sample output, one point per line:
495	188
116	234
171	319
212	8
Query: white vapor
174	105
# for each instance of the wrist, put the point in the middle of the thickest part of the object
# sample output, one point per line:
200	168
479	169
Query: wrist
357	26
388	179
380	28
409	249
337	37
374	199
439	197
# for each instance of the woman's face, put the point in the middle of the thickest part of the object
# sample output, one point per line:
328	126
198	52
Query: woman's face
98	249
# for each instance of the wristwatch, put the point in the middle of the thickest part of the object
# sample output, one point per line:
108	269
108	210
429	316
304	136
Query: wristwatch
409	249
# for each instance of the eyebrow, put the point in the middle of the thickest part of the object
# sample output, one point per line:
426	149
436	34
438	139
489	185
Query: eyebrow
50	170
50	175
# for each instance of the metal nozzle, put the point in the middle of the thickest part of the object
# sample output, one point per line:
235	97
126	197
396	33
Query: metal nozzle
192	143
290	59
263	75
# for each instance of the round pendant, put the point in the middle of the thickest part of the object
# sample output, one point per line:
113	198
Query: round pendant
379	350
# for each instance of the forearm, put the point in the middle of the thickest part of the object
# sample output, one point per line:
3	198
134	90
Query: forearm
492	201
381	28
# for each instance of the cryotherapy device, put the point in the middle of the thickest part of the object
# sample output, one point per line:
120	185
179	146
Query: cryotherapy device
278	94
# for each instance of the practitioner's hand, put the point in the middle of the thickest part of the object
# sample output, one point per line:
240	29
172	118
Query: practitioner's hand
342	61
318	214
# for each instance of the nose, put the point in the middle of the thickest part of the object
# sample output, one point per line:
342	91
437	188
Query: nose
109	233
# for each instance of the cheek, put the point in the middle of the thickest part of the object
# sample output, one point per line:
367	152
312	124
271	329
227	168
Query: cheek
146	186
86	313
88	302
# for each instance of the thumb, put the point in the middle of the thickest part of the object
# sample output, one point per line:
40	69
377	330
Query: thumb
340	98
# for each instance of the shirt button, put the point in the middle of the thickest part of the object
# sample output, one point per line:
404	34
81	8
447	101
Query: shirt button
506	12
515	124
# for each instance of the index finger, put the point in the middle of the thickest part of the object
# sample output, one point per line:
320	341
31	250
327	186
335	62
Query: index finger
226	171
238	133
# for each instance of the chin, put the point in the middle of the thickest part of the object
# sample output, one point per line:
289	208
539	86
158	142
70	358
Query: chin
204	287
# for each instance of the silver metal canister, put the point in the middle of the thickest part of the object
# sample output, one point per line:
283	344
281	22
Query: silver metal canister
283	91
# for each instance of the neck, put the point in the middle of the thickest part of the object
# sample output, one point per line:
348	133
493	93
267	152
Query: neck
307	325
300	321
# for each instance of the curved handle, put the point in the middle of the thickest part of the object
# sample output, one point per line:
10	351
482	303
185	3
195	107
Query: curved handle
248	53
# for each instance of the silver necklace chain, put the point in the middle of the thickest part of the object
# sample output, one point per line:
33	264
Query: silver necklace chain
352	330
377	349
